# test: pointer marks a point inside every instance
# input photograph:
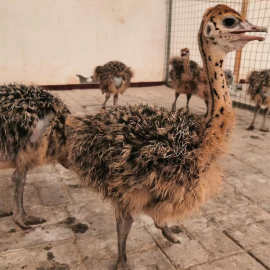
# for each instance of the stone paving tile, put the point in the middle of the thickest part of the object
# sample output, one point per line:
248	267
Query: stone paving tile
81	194
52	214
65	253
266	224
148	260
52	194
31	196
35	236
227	216
178	252
199	223
17	260
99	220
251	183
250	236
187	254
218	244
104	246
262	252
237	262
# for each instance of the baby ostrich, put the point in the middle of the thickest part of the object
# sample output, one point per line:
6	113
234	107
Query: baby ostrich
229	77
144	159
187	78
259	91
114	78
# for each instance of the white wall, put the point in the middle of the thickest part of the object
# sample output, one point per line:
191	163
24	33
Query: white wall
49	41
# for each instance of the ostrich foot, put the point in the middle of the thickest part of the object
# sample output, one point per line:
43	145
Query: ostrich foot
31	220
251	127
176	229
25	222
121	266
168	233
5	214
19	220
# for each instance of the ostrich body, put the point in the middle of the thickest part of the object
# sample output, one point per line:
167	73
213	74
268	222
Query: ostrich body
229	77
31	133
187	78
259	91
148	160
114	78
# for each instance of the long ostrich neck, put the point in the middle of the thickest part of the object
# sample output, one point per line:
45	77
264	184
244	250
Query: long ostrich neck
186	65
219	102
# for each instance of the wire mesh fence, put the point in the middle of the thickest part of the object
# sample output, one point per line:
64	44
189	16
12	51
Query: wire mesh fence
184	22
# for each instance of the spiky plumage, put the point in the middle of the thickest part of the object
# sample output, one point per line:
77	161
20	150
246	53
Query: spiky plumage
144	150
136	141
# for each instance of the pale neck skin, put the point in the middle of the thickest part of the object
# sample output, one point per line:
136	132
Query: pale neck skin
219	102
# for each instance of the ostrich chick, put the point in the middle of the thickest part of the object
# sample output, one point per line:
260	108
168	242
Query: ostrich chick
145	160
259	91
229	77
114	78
187	78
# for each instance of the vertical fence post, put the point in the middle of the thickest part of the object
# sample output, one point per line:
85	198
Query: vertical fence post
168	45
237	62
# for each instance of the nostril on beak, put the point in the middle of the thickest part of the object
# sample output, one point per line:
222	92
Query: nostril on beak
260	28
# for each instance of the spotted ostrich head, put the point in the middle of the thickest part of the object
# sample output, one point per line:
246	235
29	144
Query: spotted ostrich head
225	29
185	53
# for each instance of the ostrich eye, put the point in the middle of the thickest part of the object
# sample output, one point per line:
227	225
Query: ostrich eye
229	22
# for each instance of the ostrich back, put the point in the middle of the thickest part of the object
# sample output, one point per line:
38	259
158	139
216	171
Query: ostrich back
20	110
107	73
135	147
113	69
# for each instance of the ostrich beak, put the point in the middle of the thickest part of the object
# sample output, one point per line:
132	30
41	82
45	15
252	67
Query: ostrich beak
248	27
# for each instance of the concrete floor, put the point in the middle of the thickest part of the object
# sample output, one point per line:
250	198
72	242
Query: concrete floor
231	232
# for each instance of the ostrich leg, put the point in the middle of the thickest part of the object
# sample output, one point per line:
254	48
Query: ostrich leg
174	103
188	99
251	126
19	215
123	225
107	96
263	128
115	99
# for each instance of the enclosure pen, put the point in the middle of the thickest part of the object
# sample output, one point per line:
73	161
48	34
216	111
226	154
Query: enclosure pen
183	24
